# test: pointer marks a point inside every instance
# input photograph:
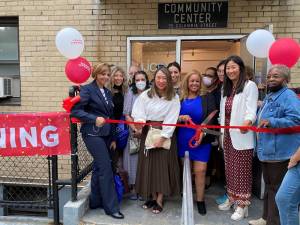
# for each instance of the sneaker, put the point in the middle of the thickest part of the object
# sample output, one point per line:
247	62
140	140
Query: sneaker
240	213
221	199
260	221
226	205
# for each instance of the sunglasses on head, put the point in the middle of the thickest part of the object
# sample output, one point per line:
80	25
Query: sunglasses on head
159	66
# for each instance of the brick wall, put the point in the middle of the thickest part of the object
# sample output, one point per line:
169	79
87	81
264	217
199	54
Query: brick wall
43	82
105	27
122	18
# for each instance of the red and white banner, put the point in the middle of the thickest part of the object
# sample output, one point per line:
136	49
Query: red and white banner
26	134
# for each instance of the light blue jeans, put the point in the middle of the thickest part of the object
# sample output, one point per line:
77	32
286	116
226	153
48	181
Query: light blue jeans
288	197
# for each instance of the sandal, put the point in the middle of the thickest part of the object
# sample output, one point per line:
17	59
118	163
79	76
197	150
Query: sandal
149	204
157	208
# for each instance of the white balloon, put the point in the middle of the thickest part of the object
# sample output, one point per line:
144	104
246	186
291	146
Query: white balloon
69	42
259	42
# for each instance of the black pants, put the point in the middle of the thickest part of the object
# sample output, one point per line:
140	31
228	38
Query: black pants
273	174
103	192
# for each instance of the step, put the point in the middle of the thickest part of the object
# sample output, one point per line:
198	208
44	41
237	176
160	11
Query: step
171	215
25	220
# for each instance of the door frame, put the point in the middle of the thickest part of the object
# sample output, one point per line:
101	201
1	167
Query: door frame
178	40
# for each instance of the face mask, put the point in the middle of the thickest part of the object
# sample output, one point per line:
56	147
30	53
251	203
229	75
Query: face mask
140	85
207	81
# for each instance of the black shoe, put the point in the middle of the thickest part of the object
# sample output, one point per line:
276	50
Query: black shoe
117	215
201	208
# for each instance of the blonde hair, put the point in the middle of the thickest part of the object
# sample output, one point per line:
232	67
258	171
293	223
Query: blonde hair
125	81
185	85
100	68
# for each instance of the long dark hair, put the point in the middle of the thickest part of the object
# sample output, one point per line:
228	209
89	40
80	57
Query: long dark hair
222	62
169	93
133	85
228	85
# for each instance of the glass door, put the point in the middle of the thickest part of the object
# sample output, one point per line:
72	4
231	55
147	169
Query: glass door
149	54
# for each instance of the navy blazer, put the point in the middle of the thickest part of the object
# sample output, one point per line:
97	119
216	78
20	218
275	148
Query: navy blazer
92	105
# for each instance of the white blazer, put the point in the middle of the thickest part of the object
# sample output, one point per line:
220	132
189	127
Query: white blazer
244	107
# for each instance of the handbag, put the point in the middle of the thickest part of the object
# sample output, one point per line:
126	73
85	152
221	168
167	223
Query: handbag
122	134
119	187
134	145
152	136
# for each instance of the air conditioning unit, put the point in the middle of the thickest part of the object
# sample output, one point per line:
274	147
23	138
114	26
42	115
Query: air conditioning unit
5	87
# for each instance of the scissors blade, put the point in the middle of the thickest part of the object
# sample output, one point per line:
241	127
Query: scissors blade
209	117
213	132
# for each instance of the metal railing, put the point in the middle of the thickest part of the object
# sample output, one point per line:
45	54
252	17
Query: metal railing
81	161
32	182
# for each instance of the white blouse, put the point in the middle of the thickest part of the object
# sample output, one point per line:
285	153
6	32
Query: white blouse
157	109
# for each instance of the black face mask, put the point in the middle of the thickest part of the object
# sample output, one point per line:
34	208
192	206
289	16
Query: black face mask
275	88
117	87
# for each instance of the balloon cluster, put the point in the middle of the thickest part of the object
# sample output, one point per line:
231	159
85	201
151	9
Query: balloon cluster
262	44
70	44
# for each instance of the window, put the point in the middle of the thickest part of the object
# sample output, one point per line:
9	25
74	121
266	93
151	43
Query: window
149	54
10	88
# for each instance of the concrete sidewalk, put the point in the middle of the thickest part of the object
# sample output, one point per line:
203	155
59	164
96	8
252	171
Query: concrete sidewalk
171	214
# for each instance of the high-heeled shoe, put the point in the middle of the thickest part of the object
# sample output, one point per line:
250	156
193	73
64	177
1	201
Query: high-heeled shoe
240	213
201	208
117	215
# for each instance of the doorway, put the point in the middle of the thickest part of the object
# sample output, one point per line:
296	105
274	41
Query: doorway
201	54
193	52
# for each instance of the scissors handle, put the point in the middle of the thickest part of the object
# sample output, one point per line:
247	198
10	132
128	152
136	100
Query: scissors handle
197	136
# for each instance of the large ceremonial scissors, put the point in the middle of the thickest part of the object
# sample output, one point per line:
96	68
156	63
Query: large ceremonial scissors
201	132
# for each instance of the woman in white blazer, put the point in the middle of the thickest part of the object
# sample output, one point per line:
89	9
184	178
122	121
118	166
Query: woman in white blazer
238	108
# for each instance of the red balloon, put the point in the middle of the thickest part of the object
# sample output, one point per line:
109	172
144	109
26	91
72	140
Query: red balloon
284	51
78	70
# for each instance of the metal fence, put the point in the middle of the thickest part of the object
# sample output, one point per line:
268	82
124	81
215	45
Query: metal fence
81	160
28	185
25	182
32	184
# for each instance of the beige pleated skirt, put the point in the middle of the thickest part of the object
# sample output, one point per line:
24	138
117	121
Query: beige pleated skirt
158	170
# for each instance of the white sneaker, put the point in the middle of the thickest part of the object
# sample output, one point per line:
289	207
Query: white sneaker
240	213
226	205
260	221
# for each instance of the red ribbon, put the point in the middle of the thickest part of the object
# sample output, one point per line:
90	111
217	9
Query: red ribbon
286	130
69	102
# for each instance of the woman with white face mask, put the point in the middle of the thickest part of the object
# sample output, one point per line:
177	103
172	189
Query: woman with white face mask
140	83
213	86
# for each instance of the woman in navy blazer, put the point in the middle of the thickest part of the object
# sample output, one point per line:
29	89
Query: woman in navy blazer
94	107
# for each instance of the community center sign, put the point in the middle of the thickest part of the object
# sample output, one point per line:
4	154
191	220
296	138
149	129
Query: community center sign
192	15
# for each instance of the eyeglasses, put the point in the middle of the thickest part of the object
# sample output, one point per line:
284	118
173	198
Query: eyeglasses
274	76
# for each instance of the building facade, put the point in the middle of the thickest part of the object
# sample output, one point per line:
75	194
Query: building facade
122	32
